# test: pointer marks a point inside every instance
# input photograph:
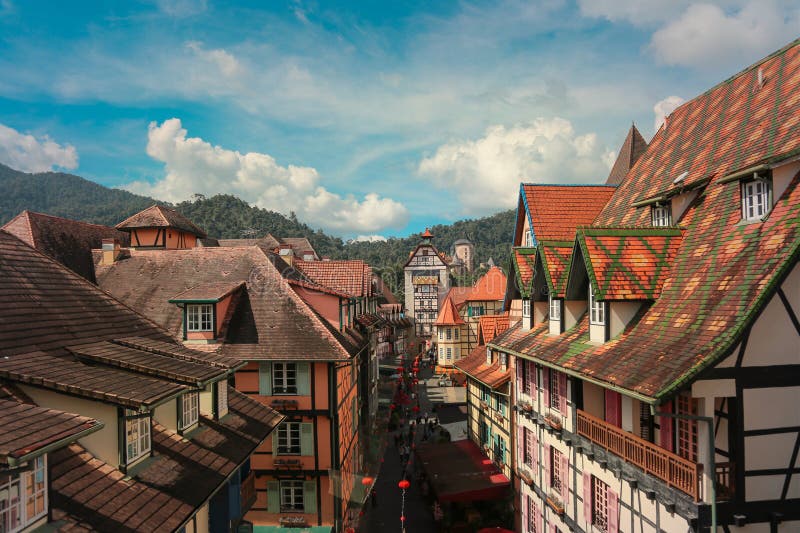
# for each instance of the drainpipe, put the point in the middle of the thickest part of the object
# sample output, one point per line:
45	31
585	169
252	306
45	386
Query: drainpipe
711	456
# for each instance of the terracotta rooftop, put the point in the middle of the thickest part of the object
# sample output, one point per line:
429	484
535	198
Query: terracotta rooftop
524	264
88	494
491	326
69	242
628	263
158	216
474	365
28	429
557	210
269	320
555	258
491	286
448	314
724	273
632	148
352	277
177	351
210	292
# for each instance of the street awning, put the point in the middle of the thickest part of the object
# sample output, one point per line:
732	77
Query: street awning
459	472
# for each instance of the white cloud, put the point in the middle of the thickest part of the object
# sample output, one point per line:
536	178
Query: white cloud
182	8
641	12
29	154
706	35
485	173
663	108
370	238
195	166
223	60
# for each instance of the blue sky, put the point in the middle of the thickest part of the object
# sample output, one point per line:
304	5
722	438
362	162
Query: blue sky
373	118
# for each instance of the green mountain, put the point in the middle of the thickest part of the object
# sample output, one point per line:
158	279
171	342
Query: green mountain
225	216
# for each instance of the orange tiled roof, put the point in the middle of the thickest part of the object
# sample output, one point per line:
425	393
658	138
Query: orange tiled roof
491	326
557	210
490	286
628	264
555	260
352	277
474	365
525	262
448	314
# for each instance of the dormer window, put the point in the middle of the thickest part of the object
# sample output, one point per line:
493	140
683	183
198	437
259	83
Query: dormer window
661	216
555	308
503	361
137	436
23	496
190	410
527	239
756	198
597	310
199	317
526	308
488	356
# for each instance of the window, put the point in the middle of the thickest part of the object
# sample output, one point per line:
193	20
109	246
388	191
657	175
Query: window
441	352
289	438
292	495
222	398
527	447
599	504
527	366
526	308
597	310
756	198
532	512
137	436
449	354
441	334
555	308
190	409
687	429
488	356
661	216
557	476
455	333
449	333
527	239
23	497
555	390
199	317
284	378
503	360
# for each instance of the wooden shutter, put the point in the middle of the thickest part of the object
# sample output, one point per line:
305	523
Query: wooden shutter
548	472
306	438
520	446
565	479
520	374
303	379
539	521
613	511
613	408
665	428
531	377
265	378
587	499
310	497
533	445
562	390
546	386
273	497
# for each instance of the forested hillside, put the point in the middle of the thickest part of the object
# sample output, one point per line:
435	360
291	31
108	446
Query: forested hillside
225	216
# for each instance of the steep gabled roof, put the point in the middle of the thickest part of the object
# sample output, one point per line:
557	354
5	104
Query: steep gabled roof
627	263
491	286
352	277
158	216
448	314
554	260
69	242
491	326
524	265
632	148
555	211
474	365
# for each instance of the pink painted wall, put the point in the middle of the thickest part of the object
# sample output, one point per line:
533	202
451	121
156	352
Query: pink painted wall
326	305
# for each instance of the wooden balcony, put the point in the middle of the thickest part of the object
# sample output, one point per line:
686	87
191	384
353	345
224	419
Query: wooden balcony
248	491
673	469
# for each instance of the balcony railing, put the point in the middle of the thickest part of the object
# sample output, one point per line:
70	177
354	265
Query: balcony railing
673	469
248	491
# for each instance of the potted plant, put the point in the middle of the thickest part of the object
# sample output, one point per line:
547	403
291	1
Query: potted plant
554	421
555	504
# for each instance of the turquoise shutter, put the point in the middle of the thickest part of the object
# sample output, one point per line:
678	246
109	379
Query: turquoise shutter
273	497
265	379
303	379
309	497
306	439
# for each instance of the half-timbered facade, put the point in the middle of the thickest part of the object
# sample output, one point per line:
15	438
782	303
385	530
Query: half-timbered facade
662	398
426	283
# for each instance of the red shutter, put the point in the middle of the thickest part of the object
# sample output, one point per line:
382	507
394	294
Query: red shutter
520	374
547	470
553	527
613	512
562	389
665	432
587	498
532	376
525	502
533	451
546	386
613	408
565	479
520	459
539	525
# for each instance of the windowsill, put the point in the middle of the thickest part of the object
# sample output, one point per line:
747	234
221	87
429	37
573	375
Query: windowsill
288	454
132	468
744	222
186	431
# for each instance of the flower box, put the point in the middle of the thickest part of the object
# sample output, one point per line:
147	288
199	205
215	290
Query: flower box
524	476
555	504
553	421
526	407
293	521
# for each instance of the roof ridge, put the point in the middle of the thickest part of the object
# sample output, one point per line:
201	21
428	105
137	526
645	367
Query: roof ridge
528	184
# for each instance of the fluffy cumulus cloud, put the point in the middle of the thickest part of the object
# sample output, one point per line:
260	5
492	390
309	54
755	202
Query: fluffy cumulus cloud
706	35
195	166
485	173
29	154
224	61
663	108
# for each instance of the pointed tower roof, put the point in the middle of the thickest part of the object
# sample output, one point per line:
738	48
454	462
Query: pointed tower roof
632	148
158	216
427	234
448	314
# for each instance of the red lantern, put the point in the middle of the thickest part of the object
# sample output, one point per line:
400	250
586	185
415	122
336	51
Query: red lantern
366	480
404	484
399	369
415	409
392	407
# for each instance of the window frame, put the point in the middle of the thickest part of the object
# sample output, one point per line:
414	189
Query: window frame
555	391
555	469
27	495
599	504
280	386
765	197
294	488
661	216
597	309
288	432
199	318
190	410
140	428
554	305
526	307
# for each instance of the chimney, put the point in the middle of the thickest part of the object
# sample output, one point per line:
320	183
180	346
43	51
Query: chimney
110	251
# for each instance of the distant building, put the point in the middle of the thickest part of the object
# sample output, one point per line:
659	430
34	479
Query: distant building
426	283
464	254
